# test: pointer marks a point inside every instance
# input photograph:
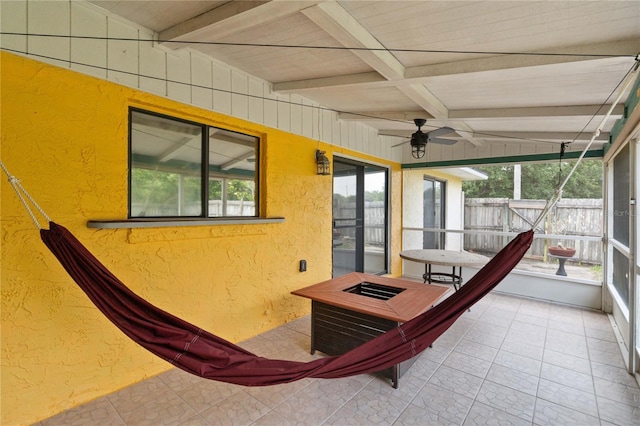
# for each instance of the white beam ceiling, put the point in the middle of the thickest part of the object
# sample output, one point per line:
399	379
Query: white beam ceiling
332	18
467	114
418	74
230	18
505	69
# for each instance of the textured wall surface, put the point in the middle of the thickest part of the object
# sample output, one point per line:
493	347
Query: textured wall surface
413	210
64	134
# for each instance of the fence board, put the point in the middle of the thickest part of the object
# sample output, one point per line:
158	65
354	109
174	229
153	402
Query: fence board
576	217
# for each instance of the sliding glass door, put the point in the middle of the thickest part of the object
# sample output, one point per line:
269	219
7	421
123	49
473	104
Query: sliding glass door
622	279
433	197
359	218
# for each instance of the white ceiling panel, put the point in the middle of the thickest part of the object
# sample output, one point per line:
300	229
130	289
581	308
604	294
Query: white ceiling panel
158	15
534	124
363	100
584	83
285	63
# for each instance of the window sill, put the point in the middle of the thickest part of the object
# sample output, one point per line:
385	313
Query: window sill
170	223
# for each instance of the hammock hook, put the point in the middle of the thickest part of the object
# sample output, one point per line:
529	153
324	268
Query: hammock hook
25	197
563	146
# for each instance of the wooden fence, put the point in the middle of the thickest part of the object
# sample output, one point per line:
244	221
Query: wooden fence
571	217
216	209
374	226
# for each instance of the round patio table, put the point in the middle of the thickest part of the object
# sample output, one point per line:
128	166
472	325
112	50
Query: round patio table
455	259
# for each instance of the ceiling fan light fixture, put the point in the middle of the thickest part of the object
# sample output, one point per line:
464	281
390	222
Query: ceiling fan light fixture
418	140
418	150
418	145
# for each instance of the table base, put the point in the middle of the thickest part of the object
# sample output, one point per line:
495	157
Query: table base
335	331
455	277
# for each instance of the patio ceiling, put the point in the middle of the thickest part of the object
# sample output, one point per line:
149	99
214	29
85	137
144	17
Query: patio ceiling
514	72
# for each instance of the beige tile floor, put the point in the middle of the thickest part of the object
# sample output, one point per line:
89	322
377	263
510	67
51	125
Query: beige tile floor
509	361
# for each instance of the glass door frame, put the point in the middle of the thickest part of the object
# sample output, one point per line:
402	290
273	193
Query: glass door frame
358	224
626	317
441	237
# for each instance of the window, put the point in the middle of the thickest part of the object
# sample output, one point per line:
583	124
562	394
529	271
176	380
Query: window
185	169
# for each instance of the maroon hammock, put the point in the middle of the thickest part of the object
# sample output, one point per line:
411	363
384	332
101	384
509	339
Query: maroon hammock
203	354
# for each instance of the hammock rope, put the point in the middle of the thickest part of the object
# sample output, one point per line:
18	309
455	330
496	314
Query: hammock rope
626	82
23	195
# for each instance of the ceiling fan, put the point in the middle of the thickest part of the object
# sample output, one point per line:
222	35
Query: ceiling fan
420	139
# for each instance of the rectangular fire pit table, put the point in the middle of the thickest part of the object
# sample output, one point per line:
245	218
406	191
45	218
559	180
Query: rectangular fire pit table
352	309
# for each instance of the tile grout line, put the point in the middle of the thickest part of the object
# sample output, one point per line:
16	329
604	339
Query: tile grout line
493	363
115	410
535	402
466	415
593	382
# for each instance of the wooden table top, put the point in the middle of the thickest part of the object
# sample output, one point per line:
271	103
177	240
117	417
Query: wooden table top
444	257
414	299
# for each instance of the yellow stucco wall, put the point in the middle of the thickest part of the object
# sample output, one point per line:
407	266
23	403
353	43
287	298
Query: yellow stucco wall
64	135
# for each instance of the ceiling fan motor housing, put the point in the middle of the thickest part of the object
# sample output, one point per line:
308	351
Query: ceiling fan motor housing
419	144
419	138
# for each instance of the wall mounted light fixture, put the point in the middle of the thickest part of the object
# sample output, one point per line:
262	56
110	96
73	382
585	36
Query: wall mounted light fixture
322	163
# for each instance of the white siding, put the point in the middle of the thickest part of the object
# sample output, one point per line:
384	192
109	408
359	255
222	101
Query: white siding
296	114
153	63
239	96
202	82
49	18
284	111
92	51
122	55
256	100
222	85
308	113
179	76
13	19
270	107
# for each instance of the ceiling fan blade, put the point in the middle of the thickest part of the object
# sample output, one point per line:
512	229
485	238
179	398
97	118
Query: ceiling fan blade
441	141
401	143
441	131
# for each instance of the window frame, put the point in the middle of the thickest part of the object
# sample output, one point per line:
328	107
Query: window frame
359	222
205	173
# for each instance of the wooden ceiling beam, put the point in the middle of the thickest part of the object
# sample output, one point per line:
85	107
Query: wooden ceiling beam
419	74
230	18
627	47
343	27
500	136
546	111
489	113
